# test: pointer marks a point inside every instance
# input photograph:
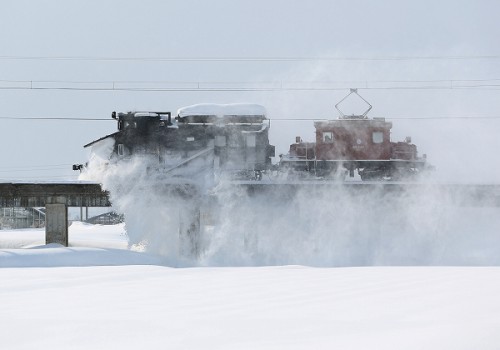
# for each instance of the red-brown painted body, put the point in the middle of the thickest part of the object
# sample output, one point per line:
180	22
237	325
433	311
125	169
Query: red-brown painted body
353	139
355	143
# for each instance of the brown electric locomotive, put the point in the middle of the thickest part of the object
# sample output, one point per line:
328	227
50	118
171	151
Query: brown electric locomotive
350	143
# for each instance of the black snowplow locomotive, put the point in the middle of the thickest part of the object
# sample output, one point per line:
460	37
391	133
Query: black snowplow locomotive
231	140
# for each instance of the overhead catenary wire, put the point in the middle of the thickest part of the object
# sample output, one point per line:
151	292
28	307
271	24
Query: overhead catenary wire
490	87
278	86
248	86
38	177
57	118
393	118
42	166
34	168
280	81
287	119
30	170
246	59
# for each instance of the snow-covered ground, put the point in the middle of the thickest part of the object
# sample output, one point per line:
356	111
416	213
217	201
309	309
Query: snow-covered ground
72	298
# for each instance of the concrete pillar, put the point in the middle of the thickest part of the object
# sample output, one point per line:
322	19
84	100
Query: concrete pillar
56	223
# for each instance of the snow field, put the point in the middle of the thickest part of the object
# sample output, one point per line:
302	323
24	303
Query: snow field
293	307
58	298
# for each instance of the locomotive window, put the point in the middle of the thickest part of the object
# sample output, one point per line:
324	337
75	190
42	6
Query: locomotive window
121	149
233	140
130	124
378	137
328	136
251	141
220	141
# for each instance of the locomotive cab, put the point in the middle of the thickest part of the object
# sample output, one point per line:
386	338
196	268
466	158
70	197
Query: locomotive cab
353	139
140	132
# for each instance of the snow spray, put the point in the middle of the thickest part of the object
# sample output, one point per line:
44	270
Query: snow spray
327	227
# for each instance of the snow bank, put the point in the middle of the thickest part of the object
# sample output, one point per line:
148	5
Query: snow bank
80	235
130	307
54	255
90	245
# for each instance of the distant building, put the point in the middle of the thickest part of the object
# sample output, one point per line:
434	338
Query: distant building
15	218
110	218
19	218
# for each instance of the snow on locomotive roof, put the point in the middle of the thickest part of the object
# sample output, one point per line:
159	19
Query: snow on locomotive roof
213	109
137	114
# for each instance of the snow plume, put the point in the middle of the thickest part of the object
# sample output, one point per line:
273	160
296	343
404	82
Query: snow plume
345	226
153	215
314	225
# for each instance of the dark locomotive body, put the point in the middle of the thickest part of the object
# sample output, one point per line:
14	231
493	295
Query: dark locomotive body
201	140
238	134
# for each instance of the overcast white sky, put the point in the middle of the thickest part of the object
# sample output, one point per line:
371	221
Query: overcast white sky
462	149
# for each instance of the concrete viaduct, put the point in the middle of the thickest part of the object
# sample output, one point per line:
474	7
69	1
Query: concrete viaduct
56	198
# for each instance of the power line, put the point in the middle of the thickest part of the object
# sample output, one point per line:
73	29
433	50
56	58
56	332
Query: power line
48	177
249	86
57	118
394	118
287	119
43	166
491	87
34	169
47	167
191	82
269	83
247	59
